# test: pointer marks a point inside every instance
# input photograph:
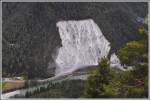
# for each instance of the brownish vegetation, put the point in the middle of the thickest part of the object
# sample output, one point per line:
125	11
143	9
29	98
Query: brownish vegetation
13	85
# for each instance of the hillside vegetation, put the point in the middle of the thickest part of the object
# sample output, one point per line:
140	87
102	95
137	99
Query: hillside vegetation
106	82
31	39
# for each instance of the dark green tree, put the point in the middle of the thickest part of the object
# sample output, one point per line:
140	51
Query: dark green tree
135	54
98	80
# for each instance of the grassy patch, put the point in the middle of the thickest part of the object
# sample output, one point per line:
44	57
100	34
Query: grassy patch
13	85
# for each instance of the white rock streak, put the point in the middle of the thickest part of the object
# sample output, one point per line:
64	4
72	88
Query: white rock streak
82	44
115	62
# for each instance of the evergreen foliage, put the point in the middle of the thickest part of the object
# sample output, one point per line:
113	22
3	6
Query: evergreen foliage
98	80
106	82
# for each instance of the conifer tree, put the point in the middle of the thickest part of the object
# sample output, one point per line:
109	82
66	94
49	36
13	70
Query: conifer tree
97	80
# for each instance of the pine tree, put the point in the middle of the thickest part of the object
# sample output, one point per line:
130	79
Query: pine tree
97	80
135	53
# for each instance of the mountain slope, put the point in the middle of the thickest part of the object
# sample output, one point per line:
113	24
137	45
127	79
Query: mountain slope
31	38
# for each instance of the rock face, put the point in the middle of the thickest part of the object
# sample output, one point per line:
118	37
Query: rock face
83	44
115	62
31	39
